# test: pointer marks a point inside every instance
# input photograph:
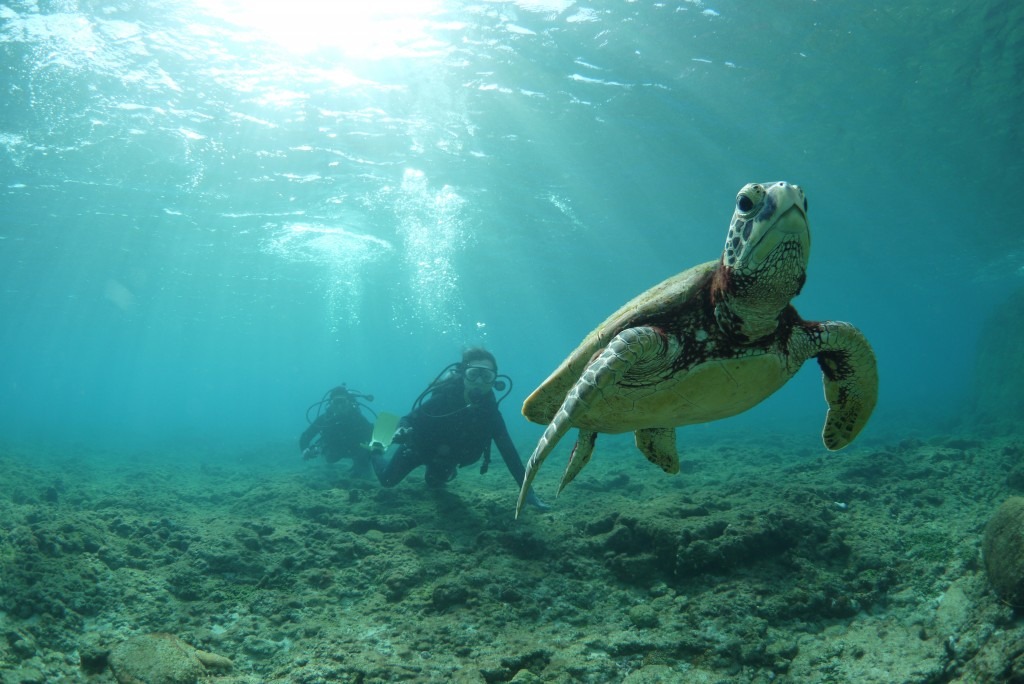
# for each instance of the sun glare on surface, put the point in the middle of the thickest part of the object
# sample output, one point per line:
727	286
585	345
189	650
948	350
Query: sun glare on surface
359	29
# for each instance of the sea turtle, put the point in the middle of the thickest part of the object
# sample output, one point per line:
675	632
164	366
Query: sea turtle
708	343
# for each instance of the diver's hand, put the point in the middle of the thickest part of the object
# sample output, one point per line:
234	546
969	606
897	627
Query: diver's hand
402	435
536	502
310	453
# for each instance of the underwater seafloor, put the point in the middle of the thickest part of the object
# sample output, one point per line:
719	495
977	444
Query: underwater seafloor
765	560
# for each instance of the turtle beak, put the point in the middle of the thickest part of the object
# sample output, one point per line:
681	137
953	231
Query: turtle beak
794	220
791	224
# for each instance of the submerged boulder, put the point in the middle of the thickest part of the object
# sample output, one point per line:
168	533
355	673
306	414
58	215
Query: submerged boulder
161	659
1003	548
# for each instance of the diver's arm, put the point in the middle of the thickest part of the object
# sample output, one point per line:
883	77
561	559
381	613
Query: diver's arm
309	433
510	455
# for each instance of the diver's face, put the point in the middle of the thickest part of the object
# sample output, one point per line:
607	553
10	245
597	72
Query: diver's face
479	378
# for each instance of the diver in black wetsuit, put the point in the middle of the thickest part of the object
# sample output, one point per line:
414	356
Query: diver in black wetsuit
339	430
452	425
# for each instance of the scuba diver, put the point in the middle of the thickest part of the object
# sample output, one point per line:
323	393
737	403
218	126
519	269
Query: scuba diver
339	429
452	425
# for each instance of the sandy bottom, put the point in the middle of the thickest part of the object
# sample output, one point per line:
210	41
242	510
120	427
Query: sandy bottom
763	561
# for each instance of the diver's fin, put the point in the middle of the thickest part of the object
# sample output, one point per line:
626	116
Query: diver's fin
384	429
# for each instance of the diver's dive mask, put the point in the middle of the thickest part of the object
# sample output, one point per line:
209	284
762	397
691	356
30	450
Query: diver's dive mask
480	375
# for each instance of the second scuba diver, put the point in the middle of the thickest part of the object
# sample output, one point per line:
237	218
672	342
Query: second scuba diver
340	429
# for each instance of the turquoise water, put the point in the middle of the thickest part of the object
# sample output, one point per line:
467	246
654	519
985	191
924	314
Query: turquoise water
214	211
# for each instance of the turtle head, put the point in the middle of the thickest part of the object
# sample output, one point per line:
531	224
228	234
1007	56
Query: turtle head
768	216
764	263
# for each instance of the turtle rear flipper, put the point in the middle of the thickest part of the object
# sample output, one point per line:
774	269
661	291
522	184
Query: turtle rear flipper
850	375
659	446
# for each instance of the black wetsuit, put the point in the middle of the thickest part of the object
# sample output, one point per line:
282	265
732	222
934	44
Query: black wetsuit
447	434
343	431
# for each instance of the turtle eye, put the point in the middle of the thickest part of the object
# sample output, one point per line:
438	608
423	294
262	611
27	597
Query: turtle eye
749	199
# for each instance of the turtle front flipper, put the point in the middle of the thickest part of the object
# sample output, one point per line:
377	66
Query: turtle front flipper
659	446
850	375
626	349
